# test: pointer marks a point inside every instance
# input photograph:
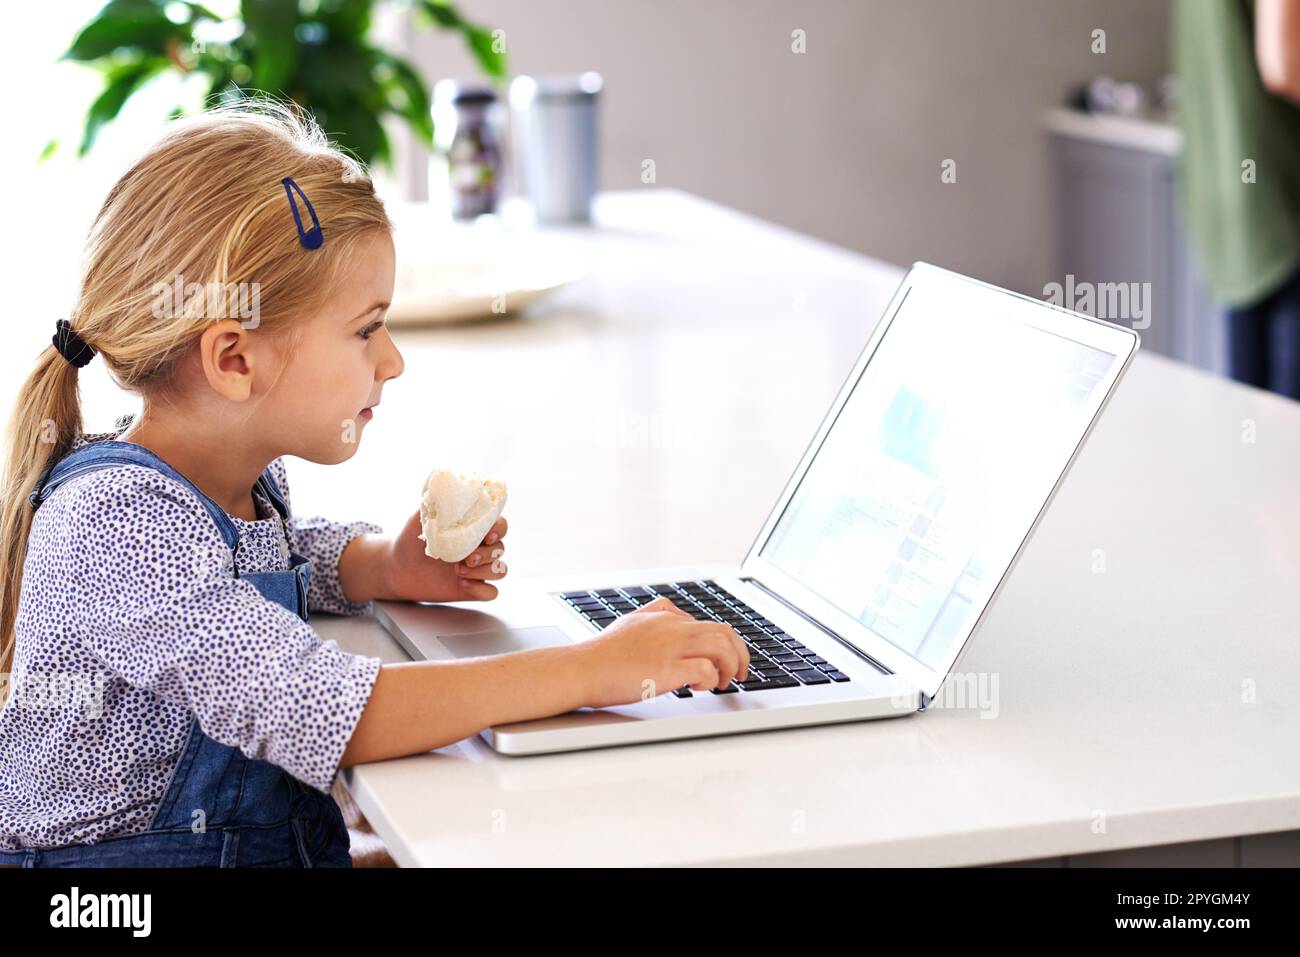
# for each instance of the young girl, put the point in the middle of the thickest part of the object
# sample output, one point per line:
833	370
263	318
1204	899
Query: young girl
168	703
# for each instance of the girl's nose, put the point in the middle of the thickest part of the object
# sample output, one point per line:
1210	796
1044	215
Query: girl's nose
391	365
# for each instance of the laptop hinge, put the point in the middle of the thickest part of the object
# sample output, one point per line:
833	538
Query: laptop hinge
813	621
925	701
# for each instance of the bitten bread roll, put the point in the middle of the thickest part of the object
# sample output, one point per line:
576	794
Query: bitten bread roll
456	512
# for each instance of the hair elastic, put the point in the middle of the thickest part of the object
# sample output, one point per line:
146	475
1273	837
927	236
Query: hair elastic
70	345
310	238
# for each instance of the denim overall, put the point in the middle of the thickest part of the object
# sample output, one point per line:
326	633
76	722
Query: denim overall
221	809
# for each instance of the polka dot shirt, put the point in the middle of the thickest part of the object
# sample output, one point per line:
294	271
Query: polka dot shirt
131	625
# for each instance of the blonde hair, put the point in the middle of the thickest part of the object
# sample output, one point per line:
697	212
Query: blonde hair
205	202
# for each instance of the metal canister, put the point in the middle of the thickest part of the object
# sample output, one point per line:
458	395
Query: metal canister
556	121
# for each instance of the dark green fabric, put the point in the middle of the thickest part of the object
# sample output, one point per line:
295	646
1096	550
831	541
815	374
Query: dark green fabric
1246	235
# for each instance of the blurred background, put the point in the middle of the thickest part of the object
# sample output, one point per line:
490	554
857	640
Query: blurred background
1029	144
845	141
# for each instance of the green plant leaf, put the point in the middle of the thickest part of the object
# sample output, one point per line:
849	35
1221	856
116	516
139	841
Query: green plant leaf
50	149
349	18
414	104
137	26
483	46
122	81
220	81
444	14
356	129
271	24
200	12
336	72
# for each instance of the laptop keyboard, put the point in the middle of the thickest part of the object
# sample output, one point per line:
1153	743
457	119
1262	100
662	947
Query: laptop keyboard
776	659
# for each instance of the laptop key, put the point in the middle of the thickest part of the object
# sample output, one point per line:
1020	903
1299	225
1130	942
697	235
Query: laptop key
813	677
784	681
837	676
731	688
684	692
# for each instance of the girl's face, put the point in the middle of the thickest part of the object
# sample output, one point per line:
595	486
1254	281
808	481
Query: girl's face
327	389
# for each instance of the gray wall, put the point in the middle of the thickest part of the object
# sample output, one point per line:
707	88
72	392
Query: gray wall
846	140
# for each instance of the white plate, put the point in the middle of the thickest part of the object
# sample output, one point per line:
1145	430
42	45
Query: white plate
455	272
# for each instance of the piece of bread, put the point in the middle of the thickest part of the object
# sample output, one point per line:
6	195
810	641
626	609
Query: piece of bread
457	511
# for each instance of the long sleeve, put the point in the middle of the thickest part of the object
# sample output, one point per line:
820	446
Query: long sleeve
323	542
153	597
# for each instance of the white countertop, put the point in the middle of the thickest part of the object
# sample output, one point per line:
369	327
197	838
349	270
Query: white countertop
1150	702
1147	134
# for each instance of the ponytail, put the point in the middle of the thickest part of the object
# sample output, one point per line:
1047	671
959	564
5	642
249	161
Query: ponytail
45	423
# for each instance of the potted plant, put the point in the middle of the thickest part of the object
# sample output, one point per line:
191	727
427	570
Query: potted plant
313	52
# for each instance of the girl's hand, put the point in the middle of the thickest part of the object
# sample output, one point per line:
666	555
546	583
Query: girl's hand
659	648
411	575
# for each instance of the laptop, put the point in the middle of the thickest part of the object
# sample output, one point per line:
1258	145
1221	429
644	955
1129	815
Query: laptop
883	554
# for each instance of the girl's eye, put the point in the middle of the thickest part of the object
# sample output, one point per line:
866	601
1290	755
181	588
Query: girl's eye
369	330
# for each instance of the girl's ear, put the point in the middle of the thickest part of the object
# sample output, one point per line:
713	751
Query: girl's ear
225	351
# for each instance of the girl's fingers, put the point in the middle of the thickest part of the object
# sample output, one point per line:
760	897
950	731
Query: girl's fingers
489	566
496	532
713	644
483	555
700	674
741	651
478	591
663	604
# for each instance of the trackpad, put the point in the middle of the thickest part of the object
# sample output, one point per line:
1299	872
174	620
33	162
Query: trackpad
479	643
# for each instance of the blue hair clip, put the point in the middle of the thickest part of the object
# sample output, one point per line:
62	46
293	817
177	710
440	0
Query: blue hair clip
310	238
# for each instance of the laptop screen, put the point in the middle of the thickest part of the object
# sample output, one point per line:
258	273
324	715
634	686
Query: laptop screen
934	470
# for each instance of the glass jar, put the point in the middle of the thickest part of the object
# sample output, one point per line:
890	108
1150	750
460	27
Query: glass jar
473	146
